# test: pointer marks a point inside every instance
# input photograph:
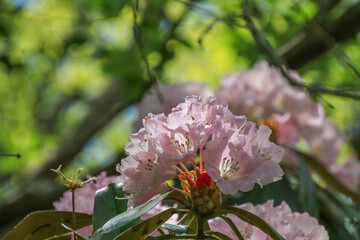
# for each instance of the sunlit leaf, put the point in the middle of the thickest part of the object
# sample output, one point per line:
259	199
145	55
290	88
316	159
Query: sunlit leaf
76	233
146	227
45	224
127	219
107	206
176	228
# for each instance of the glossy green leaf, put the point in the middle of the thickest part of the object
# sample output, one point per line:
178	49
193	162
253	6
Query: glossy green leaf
148	226
307	191
220	235
251	219
179	197
62	237
193	225
233	227
76	233
45	224
107	206
330	179
127	219
176	228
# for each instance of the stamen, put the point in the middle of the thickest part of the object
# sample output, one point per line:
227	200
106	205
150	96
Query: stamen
242	127
177	189
185	168
195	168
178	169
201	161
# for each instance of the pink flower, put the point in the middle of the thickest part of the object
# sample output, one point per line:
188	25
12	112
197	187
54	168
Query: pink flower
173	94
265	96
292	226
164	142
347	172
238	159
260	92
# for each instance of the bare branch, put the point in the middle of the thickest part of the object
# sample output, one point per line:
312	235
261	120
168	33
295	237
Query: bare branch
265	46
311	46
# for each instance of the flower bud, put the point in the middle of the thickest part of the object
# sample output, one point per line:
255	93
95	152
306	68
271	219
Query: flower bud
206	196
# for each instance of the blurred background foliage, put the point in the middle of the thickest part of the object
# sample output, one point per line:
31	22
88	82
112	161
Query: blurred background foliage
71	72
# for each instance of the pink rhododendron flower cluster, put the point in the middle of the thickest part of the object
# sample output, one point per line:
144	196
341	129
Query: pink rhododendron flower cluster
264	95
292	226
85	196
232	150
172	94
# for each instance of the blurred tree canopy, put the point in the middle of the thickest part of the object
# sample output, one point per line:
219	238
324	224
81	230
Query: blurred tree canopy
71	72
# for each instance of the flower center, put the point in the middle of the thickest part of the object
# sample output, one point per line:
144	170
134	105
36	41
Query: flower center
182	143
229	168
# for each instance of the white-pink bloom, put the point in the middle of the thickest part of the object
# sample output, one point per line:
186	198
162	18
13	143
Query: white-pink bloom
292	226
165	142
260	92
239	158
347	172
173	94
265	96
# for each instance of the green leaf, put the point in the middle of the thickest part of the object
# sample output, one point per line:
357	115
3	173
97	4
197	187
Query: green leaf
251	219
46	224
127	219
62	237
176	228
233	227
307	191
179	197
77	234
193	225
148	226
107	206
330	179
219	235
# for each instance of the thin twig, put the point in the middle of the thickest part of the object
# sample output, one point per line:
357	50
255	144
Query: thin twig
265	46
228	18
9	155
138	36
319	32
73	211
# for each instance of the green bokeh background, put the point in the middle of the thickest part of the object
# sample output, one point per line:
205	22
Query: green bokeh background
58	57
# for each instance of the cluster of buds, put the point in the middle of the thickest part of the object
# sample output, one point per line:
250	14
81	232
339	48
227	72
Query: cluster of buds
200	188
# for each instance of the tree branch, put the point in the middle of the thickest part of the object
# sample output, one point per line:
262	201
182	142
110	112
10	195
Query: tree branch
312	46
265	46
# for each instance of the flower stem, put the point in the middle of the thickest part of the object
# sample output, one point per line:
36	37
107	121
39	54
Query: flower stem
73	211
200	228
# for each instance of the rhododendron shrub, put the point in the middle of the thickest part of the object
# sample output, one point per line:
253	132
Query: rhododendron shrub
211	147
